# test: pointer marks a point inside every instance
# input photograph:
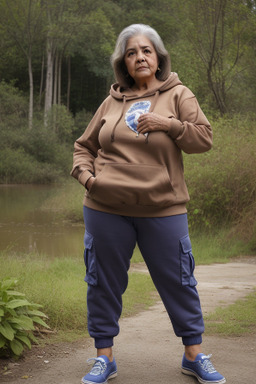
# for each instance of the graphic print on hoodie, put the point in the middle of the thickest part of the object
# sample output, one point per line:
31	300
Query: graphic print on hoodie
134	112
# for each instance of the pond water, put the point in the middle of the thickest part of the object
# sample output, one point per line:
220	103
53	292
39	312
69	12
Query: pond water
26	227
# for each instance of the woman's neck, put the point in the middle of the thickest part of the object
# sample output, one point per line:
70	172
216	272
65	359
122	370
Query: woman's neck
141	87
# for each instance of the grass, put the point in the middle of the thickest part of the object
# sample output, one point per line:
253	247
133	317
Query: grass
58	285
71	193
235	320
209	248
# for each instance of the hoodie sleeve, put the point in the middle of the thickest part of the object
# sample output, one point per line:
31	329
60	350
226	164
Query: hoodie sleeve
192	131
86	149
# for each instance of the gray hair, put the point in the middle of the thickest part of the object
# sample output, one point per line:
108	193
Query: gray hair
117	58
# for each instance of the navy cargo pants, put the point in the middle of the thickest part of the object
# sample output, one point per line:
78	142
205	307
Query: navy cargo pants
165	246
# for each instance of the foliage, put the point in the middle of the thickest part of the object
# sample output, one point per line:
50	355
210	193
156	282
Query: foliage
221	182
82	119
61	122
13	104
32	156
18	318
220	45
39	155
97	40
211	44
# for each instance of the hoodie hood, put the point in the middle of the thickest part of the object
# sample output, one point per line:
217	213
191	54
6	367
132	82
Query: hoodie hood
120	93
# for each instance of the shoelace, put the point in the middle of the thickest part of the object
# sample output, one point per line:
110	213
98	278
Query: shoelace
99	366
207	365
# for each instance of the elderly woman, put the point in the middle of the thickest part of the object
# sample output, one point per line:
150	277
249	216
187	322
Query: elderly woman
129	159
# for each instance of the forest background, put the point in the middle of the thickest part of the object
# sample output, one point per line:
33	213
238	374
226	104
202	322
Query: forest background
55	71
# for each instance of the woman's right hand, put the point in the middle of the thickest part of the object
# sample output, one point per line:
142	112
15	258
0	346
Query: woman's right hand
89	183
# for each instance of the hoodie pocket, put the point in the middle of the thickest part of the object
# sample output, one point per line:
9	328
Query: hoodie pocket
187	262
90	260
133	184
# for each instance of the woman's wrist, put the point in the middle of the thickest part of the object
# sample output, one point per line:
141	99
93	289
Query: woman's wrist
89	183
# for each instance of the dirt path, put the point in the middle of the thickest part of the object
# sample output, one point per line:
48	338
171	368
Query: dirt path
146	349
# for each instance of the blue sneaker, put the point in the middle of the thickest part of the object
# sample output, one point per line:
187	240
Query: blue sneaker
101	371
202	369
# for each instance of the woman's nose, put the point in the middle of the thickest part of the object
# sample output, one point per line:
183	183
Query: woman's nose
140	57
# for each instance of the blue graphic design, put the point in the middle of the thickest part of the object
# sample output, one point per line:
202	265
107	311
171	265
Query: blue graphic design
134	112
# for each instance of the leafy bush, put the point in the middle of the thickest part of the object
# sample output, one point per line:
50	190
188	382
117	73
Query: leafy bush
17	166
82	119
221	182
32	156
61	122
13	104
38	155
17	320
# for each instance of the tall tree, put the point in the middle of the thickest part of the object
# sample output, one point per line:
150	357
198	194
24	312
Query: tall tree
74	28
216	30
22	22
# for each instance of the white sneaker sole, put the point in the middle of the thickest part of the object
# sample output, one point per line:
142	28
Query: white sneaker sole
112	376
192	373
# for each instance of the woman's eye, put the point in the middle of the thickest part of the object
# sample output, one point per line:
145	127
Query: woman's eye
130	54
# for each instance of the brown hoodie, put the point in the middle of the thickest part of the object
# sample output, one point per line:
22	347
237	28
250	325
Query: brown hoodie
141	175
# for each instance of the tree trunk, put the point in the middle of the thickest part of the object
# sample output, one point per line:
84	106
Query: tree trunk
41	82
69	83
49	82
56	66
31	94
59	81
219	97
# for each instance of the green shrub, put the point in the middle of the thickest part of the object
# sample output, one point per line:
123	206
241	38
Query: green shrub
82	119
221	182
17	166
17	320
13	105
32	156
61	122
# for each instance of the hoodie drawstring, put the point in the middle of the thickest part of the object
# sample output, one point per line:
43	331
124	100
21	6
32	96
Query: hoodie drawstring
122	112
153	104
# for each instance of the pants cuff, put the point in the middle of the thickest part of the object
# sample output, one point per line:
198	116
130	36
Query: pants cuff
103	343
192	340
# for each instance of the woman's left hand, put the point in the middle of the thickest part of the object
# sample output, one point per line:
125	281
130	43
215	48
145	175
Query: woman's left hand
149	122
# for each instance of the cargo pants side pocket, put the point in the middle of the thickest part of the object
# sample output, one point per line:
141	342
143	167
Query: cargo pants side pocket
187	262
90	261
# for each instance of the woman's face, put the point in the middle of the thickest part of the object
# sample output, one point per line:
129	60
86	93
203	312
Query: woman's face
141	59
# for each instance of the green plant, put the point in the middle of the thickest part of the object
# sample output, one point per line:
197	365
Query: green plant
13	104
17	319
221	182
